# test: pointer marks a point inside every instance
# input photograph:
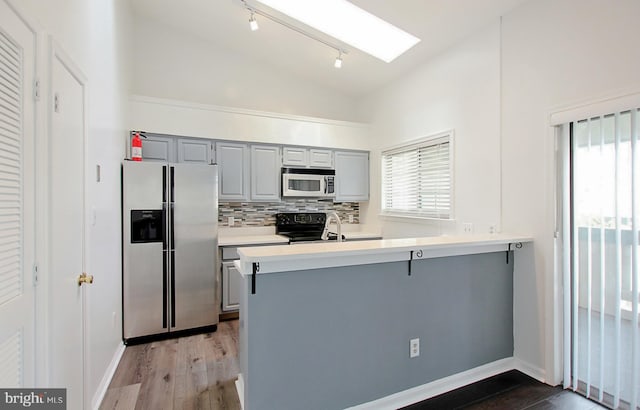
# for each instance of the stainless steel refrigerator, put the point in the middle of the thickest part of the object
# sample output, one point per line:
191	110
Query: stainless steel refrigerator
169	238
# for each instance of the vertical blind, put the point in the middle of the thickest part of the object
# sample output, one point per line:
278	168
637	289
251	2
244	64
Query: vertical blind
416	179
604	293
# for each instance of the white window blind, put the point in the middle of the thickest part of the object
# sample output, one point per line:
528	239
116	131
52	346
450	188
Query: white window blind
417	179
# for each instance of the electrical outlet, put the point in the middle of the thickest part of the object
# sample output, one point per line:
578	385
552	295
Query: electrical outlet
492	229
467	227
414	347
231	221
350	219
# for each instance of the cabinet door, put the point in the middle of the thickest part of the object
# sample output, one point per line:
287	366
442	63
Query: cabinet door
352	176
265	173
194	151
322	158
233	171
294	156
158	148
231	285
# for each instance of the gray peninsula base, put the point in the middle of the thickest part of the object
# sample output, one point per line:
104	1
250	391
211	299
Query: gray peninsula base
337	337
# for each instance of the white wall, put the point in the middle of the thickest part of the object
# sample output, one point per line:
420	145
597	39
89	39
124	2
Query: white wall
214	122
175	65
457	90
96	35
555	54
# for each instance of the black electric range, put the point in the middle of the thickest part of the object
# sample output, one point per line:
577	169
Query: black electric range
302	226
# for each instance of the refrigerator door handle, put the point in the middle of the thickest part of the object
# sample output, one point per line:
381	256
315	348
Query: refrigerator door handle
172	237
164	183
172	250
172	184
173	288
165	241
164	288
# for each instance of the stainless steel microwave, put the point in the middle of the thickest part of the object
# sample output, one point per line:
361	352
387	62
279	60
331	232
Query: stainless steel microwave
308	182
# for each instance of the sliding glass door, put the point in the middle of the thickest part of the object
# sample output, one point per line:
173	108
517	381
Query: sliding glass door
605	259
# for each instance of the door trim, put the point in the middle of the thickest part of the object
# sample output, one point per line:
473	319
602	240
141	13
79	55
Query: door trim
36	370
57	52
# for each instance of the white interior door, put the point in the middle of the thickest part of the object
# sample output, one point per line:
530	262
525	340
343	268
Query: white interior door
67	227
17	128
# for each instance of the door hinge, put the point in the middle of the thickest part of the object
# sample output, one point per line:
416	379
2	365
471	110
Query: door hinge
56	102
36	90
35	275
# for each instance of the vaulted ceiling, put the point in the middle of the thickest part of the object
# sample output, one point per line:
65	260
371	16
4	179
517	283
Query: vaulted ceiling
225	24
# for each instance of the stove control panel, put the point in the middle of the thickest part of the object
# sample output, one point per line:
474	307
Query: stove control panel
302	218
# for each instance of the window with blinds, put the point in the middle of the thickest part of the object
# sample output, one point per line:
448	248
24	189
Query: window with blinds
417	178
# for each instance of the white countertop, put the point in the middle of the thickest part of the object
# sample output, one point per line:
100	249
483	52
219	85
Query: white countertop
274	259
244	240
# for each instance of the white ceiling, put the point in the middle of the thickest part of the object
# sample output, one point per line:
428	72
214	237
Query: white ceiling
224	23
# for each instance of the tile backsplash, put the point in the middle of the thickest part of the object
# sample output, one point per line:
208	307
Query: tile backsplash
248	214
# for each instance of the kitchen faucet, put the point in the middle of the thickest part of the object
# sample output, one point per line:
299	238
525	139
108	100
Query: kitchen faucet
325	233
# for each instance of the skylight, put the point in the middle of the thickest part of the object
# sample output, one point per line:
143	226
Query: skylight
350	24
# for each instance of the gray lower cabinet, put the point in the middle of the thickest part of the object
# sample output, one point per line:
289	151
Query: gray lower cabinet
231	285
230	278
195	151
265	173
233	171
352	176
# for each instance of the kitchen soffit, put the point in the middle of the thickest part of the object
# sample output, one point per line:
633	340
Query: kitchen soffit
224	24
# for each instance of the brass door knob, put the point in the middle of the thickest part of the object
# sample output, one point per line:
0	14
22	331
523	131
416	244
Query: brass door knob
84	278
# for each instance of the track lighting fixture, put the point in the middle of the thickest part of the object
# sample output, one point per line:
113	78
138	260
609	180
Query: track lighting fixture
253	23
338	63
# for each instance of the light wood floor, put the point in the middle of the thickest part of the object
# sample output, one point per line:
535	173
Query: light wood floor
195	372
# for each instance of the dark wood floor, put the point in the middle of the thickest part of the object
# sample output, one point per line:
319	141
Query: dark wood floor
513	391
198	372
195	372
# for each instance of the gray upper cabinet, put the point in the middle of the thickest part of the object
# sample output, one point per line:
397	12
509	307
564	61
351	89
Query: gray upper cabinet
322	158
265	173
352	176
307	157
194	151
295	156
158	148
233	171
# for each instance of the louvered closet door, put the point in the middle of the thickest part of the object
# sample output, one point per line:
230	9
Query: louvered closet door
17	64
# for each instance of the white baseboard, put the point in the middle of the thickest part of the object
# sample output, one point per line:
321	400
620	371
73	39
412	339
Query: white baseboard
530	370
435	388
240	390
106	378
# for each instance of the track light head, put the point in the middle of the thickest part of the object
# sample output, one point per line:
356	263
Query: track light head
338	62
253	23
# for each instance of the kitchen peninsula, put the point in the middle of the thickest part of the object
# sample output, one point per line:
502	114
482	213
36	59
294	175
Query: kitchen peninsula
330	325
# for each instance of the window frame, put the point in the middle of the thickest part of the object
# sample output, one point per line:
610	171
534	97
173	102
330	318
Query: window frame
420	142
